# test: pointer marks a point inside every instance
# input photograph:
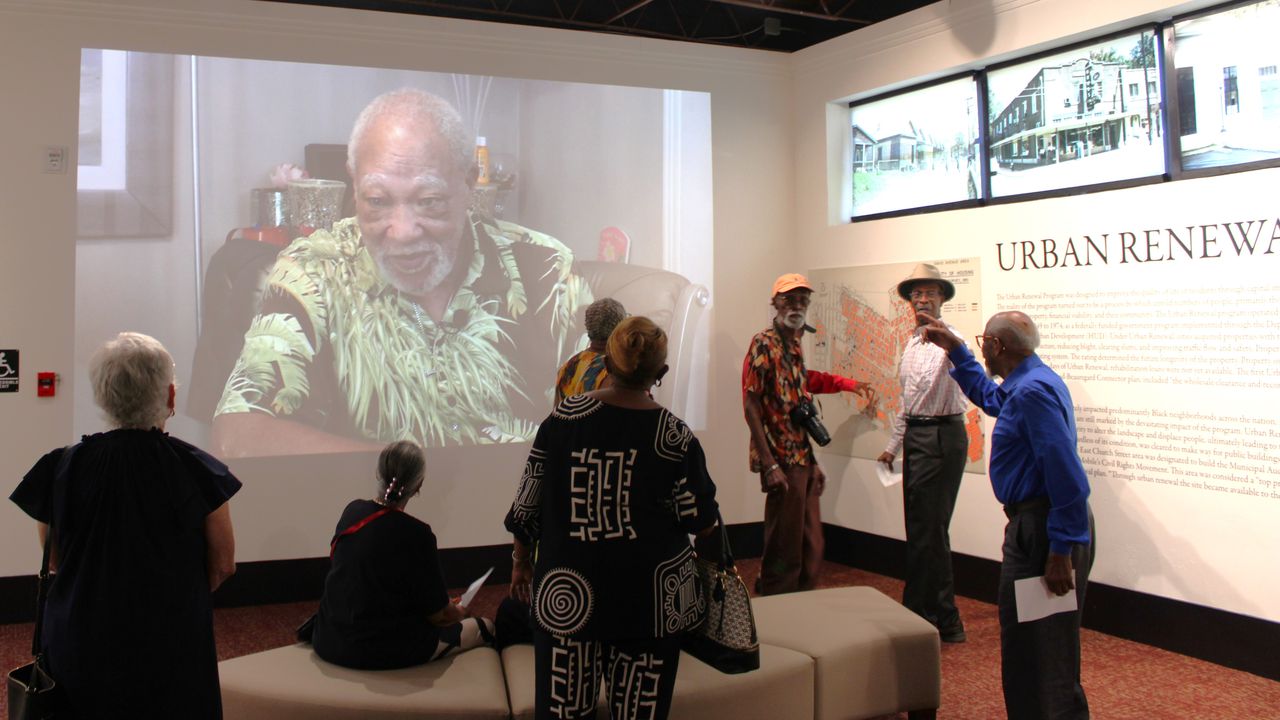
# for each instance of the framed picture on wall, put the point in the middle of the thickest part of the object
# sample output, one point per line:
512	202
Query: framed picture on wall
916	149
1085	116
125	155
1227	87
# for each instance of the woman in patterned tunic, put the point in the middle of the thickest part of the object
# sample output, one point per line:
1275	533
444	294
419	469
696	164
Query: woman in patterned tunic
613	487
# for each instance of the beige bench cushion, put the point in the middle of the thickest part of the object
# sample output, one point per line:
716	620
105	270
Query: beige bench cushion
871	655
292	682
781	688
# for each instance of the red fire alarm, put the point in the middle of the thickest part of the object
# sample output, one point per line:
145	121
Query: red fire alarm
46	384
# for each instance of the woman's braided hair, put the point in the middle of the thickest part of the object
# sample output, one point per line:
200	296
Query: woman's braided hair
400	468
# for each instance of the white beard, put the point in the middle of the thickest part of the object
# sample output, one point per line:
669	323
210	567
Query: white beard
792	320
441	258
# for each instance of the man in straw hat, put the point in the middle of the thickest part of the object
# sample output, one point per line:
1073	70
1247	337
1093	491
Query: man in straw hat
774	382
930	432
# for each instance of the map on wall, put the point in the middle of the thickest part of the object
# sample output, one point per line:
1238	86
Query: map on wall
862	327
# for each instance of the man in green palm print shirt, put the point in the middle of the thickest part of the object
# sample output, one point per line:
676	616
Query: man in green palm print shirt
417	319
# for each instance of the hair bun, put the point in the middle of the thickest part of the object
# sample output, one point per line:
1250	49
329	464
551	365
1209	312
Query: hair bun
637	350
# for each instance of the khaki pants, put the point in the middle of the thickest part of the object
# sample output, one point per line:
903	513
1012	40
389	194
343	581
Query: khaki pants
793	541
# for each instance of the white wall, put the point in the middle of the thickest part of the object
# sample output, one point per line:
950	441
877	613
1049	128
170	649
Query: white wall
1214	550
285	511
777	207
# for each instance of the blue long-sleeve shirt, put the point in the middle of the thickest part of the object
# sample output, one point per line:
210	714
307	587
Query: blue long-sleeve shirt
1033	444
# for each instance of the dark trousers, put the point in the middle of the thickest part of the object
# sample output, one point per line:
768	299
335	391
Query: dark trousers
1040	660
933	459
793	542
639	677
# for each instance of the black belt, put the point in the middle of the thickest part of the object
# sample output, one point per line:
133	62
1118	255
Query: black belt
928	420
1040	504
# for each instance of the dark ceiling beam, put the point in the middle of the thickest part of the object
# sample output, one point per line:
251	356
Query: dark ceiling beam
675	15
627	12
446	8
769	7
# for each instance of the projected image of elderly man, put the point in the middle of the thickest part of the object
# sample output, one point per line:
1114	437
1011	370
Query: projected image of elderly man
406	321
1037	474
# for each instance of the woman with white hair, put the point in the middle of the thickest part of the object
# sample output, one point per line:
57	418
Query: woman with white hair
141	537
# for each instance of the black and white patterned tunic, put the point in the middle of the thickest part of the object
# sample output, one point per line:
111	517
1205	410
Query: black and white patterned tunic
610	496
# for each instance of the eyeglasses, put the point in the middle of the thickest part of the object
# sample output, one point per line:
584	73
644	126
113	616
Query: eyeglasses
930	294
984	339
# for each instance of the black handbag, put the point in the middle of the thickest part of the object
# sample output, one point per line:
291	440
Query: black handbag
726	639
33	693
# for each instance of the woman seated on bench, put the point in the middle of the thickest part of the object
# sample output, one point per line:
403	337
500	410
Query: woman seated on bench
385	604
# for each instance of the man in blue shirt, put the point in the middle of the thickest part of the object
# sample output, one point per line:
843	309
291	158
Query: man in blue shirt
1037	474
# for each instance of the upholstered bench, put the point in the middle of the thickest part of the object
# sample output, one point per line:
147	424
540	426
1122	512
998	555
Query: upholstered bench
292	682
781	688
834	654
871	655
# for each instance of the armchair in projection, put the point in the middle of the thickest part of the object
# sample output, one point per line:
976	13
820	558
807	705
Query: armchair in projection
668	299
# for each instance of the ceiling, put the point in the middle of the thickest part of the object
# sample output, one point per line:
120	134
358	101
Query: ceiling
781	25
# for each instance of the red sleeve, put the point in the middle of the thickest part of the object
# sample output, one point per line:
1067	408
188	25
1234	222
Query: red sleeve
820	383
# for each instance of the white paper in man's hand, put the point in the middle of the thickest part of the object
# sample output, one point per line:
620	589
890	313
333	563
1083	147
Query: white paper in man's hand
473	588
1034	601
888	478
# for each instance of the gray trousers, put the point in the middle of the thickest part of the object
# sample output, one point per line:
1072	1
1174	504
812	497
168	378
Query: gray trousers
933	459
1040	660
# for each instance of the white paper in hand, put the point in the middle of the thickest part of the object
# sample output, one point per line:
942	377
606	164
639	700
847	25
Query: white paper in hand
1034	601
888	478
473	588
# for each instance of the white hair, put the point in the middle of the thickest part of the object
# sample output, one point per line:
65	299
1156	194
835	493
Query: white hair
131	376
420	109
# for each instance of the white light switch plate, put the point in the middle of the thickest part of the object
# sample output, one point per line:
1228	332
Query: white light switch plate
55	159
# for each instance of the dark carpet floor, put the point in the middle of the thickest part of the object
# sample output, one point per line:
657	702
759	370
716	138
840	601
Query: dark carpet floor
1122	679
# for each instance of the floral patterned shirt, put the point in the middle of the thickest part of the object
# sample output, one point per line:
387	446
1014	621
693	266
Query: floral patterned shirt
781	381
336	346
583	372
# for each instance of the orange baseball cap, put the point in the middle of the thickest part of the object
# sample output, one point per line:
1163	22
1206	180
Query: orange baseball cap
790	281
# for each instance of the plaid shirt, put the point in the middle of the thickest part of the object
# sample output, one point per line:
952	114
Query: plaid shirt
927	387
781	385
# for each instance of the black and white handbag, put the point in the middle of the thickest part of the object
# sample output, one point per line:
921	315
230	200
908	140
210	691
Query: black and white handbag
726	639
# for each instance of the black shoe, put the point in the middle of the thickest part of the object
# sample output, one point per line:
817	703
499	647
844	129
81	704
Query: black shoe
953	634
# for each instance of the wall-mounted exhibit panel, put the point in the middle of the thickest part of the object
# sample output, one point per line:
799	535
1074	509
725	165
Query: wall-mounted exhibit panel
1228	87
1086	116
917	149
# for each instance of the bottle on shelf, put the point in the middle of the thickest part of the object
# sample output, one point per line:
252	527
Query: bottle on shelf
482	161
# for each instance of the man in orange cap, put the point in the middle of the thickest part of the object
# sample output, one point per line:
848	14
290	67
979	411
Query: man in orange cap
775	383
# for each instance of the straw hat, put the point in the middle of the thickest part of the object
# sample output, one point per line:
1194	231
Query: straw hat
925	272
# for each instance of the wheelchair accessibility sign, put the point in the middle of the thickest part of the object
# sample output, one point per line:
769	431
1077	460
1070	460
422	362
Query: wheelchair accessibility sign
8	371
